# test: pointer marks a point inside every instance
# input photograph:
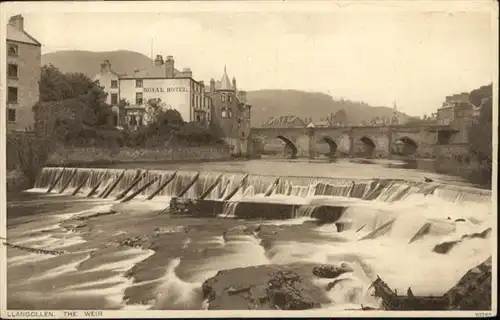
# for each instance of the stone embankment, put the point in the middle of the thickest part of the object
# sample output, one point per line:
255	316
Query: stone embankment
473	291
82	156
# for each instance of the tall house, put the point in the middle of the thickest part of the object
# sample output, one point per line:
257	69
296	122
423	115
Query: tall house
230	113
23	75
176	90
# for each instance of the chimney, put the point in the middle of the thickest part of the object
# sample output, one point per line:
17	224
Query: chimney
186	72
17	22
212	86
158	60
242	95
234	83
169	67
105	66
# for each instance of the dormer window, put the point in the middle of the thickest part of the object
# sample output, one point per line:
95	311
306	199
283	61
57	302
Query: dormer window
114	84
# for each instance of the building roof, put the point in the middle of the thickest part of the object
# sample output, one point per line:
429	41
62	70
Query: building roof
225	83
14	34
155	71
322	123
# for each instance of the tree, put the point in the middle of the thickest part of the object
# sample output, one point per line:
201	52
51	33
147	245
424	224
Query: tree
480	134
57	86
476	96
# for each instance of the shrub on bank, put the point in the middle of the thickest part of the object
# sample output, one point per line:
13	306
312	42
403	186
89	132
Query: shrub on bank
28	153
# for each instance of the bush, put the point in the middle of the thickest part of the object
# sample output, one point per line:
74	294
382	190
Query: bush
29	153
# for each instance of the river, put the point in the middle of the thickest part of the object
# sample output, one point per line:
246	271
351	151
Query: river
392	222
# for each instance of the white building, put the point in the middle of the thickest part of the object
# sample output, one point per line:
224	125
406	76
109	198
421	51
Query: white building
176	89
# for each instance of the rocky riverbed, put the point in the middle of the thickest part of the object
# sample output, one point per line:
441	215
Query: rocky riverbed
131	254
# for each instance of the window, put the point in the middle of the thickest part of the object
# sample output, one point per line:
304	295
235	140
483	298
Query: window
114	84
140	120
223	97
138	98
229	113
12	95
229	98
12	115
115	120
138	83
114	98
198	119
12	70
224	112
73	115
13	50
133	120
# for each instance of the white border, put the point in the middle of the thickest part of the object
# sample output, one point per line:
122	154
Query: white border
10	8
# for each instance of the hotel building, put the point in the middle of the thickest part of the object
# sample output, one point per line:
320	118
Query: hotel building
23	75
176	89
219	106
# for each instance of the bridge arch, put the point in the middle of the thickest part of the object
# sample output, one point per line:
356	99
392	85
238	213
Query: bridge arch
332	144
405	146
368	146
291	149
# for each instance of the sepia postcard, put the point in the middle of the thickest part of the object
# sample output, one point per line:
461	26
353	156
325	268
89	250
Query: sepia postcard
177	159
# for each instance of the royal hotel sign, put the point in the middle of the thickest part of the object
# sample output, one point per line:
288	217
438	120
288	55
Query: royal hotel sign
170	89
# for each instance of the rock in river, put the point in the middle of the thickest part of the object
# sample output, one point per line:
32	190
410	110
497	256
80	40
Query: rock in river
331	271
266	287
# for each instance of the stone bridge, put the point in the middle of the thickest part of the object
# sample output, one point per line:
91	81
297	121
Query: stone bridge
362	141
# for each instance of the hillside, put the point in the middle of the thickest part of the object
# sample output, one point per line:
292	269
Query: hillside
265	103
89	62
275	103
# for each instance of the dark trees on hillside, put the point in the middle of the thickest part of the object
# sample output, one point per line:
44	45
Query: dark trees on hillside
480	134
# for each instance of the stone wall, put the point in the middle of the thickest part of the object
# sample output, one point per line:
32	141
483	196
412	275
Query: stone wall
65	156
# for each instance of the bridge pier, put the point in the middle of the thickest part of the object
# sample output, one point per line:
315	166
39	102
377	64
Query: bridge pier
311	142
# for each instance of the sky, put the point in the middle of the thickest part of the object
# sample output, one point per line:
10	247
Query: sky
371	53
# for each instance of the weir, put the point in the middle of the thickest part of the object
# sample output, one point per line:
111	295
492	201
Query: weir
248	195
113	186
68	182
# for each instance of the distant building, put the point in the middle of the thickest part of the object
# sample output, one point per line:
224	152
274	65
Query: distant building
176	89
323	123
23	75
456	106
457	112
284	122
230	112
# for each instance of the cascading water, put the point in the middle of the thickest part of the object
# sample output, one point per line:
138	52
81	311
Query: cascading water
386	227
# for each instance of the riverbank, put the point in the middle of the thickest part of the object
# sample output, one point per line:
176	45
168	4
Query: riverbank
65	156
